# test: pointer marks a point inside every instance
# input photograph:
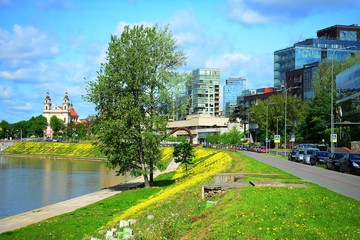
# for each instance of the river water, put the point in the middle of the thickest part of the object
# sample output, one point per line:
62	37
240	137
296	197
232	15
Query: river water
30	183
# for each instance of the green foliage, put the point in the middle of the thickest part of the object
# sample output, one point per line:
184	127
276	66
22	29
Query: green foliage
130	96
232	137
56	124
273	109
184	153
213	138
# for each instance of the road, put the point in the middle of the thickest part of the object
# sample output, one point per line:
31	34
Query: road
343	183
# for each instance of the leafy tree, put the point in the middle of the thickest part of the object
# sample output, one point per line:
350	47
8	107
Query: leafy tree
130	95
80	130
274	107
4	129
213	138
36	126
56	124
232	137
184	153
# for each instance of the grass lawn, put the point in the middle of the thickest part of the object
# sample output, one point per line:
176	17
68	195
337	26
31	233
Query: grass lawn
179	212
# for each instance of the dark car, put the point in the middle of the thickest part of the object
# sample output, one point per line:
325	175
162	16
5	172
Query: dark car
333	162
350	163
319	157
292	154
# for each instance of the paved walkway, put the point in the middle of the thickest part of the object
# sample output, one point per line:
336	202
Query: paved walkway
38	215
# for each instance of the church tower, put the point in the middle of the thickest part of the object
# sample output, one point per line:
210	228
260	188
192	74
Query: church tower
47	103
66	103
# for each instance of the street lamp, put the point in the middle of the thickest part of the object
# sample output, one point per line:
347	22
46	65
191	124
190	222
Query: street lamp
286	90
332	147
277	133
267	120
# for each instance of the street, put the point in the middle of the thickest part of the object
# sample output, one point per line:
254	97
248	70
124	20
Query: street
343	183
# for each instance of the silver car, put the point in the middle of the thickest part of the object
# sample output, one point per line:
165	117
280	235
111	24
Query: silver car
299	157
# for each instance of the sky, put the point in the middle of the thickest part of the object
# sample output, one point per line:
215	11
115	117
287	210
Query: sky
56	46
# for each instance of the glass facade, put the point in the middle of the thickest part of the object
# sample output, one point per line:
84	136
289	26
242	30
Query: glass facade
204	91
232	89
309	73
348	93
310	51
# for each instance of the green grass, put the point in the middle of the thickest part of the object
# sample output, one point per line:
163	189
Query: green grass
245	213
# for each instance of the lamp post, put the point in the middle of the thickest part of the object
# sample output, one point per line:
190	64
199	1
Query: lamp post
332	147
267	124
286	90
277	133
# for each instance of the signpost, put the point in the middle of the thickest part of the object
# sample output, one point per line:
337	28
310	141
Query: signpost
334	138
277	141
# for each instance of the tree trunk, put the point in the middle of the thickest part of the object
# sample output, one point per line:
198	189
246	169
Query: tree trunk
151	172
146	181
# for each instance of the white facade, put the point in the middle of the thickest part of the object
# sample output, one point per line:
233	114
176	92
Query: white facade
65	112
201	125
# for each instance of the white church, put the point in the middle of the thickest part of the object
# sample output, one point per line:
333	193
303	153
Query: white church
65	112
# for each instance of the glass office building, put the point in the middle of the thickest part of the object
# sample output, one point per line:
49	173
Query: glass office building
334	43
232	89
348	94
204	92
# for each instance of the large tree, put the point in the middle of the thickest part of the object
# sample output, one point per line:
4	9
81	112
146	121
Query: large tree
131	97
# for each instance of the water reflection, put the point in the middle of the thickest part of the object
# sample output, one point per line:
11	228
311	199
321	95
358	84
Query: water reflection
27	184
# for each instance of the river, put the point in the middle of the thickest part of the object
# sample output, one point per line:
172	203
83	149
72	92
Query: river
30	183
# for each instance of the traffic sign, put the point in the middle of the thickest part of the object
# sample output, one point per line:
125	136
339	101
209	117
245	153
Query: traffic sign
334	138
277	138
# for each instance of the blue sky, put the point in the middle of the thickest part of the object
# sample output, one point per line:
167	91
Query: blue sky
53	45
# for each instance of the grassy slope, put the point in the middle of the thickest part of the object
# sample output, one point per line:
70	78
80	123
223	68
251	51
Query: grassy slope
56	149
246	213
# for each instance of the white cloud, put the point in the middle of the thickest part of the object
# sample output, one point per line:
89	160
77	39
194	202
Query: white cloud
5	92
185	27
25	106
26	42
228	61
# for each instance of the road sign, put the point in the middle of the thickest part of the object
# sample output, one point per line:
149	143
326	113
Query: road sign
334	138
277	138
292	138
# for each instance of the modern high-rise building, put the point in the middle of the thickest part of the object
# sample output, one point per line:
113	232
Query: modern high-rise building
232	89
334	43
204	91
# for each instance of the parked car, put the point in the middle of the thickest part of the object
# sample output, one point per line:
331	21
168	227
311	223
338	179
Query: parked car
292	154
350	163
308	153
319	157
299	156
263	149
333	162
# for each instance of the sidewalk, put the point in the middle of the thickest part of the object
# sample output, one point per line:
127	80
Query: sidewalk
38	215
